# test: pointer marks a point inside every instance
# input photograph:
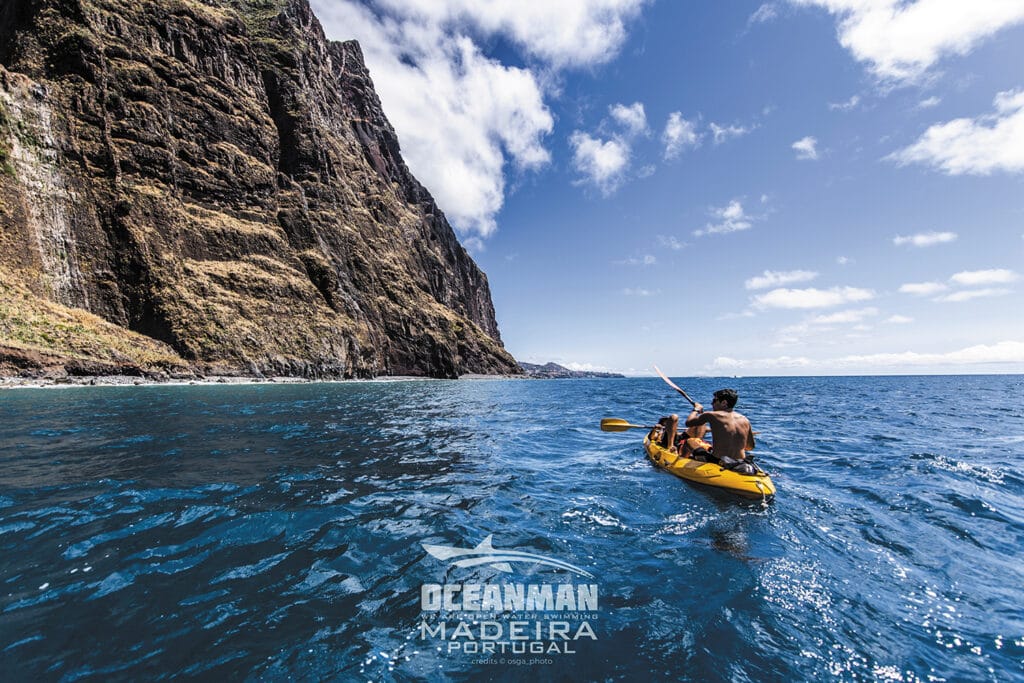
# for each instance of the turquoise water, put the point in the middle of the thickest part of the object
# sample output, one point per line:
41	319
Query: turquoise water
275	531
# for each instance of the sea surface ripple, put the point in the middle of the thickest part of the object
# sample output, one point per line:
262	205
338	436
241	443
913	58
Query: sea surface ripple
267	532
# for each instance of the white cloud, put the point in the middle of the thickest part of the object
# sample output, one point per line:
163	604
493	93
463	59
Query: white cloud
671	242
845	317
966	278
845	106
978	146
734	316
474	245
766	12
679	135
922	288
722	133
632	117
968	294
992	276
731	218
782	362
899	319
602	163
482	112
585	367
901	40
929	102
775	278
999	353
793	334
639	291
924	239
485	119
564	34
806	148
825	324
843	260
645	260
811	297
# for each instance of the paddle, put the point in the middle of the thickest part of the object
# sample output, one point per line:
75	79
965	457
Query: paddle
671	384
614	424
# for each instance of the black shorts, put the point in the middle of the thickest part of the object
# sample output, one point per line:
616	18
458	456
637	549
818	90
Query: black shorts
702	454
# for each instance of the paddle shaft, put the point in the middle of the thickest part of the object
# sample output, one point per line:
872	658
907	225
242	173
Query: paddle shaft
672	384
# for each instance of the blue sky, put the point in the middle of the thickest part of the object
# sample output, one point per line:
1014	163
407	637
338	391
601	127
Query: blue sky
792	187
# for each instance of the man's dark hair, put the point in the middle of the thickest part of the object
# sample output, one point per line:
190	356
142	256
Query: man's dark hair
729	396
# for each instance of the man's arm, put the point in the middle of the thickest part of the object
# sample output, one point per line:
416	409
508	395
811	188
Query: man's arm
697	416
750	438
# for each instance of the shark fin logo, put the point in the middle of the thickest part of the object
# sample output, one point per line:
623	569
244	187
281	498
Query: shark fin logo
486	554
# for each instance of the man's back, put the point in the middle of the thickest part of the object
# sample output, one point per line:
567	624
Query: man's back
731	432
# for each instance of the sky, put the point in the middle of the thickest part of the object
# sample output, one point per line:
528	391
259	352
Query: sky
796	187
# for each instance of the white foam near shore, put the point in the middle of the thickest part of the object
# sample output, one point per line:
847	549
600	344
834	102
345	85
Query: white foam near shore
218	380
128	380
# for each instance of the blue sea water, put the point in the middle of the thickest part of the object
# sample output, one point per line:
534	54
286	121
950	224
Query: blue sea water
269	532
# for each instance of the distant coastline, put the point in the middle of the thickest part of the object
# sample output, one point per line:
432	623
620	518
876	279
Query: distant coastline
556	371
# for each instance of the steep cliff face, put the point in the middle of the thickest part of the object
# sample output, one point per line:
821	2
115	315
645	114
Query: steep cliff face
220	182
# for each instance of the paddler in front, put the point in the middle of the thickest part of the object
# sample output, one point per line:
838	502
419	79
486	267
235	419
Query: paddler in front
689	444
730	430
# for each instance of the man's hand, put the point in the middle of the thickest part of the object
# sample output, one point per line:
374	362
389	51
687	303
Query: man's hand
698	408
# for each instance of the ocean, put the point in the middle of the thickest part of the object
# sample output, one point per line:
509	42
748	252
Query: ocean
344	531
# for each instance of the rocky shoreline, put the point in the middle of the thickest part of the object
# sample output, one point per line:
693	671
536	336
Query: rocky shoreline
82	373
128	380
168	379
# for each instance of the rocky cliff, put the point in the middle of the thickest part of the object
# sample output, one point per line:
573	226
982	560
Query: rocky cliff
212	186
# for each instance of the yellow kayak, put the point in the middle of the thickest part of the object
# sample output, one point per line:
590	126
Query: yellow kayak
746	485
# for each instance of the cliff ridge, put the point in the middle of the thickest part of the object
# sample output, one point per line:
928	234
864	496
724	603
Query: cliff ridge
213	187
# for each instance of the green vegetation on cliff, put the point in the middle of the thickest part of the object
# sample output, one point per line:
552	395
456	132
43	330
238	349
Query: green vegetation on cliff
32	327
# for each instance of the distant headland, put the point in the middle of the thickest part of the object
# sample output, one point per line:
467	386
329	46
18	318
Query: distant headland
556	371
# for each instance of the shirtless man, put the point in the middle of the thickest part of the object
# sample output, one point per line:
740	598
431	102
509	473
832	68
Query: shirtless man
730	430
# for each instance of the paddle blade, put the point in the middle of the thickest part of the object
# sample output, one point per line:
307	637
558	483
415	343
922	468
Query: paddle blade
673	385
614	424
